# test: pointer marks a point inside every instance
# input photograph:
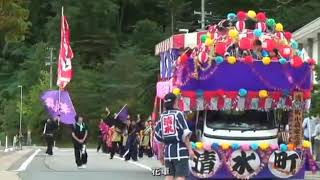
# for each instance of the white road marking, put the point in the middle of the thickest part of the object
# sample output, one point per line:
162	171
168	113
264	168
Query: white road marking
136	163
25	164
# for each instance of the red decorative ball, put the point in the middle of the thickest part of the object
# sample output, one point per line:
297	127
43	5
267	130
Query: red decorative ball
220	48
261	16
241	15
297	61
248	59
183	58
285	51
311	61
245	44
288	35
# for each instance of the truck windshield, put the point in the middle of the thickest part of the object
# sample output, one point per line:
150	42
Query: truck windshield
241	120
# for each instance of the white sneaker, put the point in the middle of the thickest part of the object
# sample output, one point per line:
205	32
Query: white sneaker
80	167
84	166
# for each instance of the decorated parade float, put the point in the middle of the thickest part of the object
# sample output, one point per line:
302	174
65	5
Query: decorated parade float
238	81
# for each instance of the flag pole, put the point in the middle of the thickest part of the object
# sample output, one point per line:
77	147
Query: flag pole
120	111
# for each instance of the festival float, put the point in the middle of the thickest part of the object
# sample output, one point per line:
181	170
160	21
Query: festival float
238	81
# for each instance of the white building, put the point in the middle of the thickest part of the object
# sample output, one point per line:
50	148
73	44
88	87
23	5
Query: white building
308	38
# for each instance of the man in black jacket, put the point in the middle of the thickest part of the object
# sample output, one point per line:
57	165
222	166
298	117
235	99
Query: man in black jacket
50	129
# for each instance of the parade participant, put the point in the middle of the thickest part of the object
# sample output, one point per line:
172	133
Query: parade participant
173	133
49	131
132	142
145	140
115	134
103	129
79	136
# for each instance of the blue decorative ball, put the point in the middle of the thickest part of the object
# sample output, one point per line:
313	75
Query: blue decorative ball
254	146
294	45
219	59
232	17
283	147
235	146
257	32
283	60
215	146
265	53
243	92
193	145
199	92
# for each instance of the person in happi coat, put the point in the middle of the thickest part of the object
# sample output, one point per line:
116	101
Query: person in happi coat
115	134
103	129
174	134
49	131
79	137
145	140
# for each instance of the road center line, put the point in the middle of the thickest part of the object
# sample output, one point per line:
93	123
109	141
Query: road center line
25	164
136	163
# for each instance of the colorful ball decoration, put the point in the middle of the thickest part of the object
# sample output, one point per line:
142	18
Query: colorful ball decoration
243	92
288	35
241	15
261	16
254	146
220	48
257	32
271	22
248	59
231	60
291	147
263	94
294	44
204	38
199	145
209	42
283	147
193	145
274	146
215	146
297	61
207	147
199	92
183	58
264	146
219	59
245	43
283	60
232	17
235	146
266	60
251	14
233	33
306	144
311	61
225	146
245	147
285	51
279	27
176	91
265	53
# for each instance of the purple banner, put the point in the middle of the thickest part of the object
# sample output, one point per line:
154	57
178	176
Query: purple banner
167	63
254	77
65	110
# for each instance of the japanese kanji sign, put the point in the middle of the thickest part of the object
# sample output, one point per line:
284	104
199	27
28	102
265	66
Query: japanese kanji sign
244	164
284	164
65	109
205	163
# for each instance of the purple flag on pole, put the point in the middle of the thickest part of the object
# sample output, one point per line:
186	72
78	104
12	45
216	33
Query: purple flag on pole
51	102
123	114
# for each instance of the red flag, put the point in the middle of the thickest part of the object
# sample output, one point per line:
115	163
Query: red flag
65	55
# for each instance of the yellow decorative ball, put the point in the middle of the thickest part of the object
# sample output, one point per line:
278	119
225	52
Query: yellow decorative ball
209	42
176	91
266	60
264	146
233	33
225	146
232	60
263	93
251	14
209	35
279	27
199	145
306	144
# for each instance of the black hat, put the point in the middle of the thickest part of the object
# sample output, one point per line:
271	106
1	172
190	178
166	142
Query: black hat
170	98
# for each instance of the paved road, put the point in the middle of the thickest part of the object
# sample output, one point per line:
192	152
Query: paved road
62	167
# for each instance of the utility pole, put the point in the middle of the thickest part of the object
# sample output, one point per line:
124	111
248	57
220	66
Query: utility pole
203	14
20	122
50	63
